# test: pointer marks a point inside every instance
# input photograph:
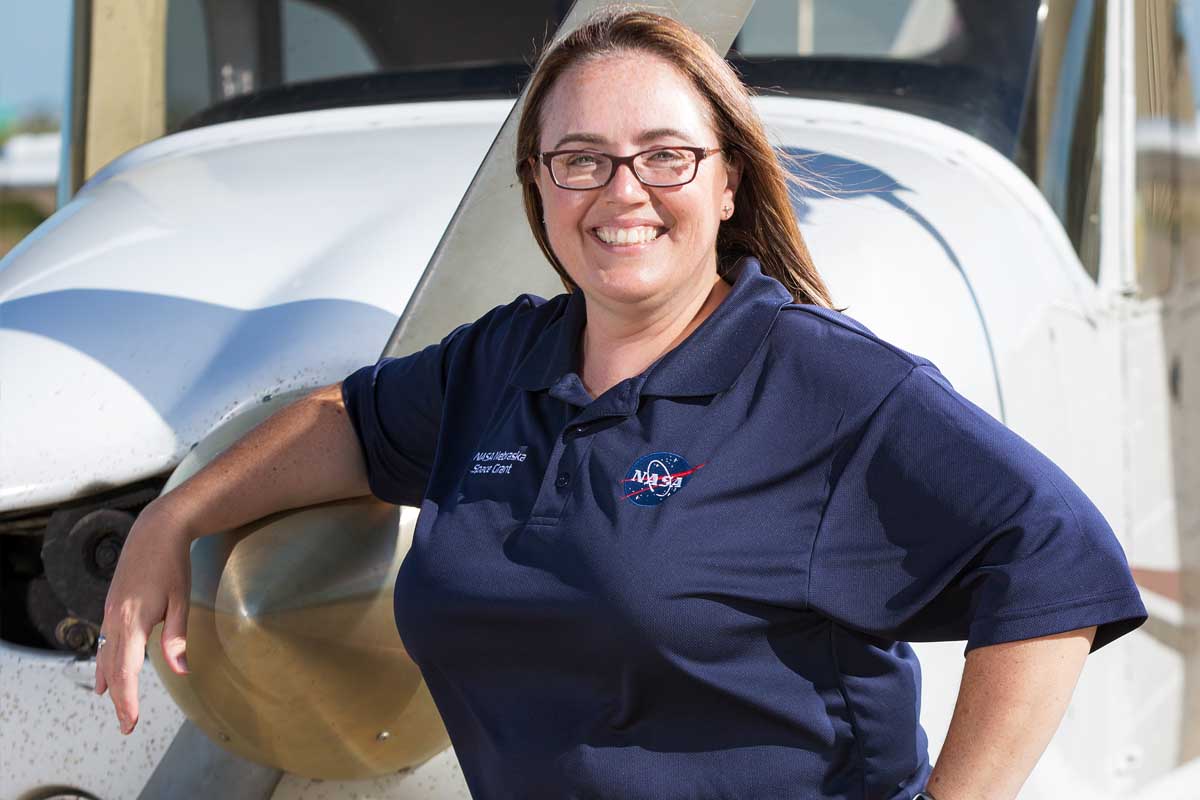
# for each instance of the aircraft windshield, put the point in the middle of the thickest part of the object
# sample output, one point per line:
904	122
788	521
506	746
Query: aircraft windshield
962	62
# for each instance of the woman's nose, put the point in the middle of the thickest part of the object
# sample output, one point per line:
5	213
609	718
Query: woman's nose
625	185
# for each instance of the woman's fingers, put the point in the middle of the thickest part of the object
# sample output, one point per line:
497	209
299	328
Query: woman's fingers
151	585
101	685
174	636
129	654
121	660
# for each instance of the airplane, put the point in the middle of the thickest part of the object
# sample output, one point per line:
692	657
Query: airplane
258	196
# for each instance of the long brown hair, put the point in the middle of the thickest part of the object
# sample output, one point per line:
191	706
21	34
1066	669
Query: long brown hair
763	224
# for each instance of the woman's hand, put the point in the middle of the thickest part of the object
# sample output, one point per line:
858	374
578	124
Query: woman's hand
304	454
152	583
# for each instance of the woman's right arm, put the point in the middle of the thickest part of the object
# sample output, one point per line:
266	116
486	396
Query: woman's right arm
305	454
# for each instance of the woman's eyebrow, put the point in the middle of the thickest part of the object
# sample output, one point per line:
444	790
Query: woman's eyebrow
644	137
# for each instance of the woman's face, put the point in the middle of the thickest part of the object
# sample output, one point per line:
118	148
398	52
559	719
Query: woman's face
621	105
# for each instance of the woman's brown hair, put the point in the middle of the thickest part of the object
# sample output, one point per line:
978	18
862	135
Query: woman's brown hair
763	224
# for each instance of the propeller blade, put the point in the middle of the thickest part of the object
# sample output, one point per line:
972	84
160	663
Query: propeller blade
194	766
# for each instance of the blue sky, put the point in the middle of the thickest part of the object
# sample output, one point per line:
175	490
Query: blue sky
33	54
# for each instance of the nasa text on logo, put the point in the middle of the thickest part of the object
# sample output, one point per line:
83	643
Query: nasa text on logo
655	477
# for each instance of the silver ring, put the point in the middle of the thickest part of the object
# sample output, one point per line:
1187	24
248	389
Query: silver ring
101	640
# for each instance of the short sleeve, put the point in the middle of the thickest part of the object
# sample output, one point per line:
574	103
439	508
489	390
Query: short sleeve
942	524
395	406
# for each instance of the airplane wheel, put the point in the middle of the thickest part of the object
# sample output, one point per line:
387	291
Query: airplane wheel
59	793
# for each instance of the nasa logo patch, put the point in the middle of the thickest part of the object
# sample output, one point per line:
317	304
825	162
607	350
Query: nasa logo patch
655	477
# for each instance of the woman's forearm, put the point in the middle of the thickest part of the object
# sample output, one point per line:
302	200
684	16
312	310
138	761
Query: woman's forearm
304	454
1012	699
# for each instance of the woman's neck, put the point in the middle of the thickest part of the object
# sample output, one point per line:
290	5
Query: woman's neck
618	345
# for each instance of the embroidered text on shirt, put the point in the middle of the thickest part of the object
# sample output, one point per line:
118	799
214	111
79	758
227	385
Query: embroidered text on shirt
497	462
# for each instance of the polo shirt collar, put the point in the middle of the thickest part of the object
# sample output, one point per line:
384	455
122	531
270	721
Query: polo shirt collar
705	363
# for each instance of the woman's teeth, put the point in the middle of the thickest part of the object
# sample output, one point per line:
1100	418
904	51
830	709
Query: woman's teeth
639	235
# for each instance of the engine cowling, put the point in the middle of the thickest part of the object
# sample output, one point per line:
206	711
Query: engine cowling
293	653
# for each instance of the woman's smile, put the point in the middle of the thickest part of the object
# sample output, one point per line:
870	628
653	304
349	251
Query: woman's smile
628	239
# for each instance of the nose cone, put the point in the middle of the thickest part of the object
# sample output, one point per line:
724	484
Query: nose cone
294	656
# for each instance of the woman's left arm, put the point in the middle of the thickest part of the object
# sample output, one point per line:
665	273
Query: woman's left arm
943	524
1012	699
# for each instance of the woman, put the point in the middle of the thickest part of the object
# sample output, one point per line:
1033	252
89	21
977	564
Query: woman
678	524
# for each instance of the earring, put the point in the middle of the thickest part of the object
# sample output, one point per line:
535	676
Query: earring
725	211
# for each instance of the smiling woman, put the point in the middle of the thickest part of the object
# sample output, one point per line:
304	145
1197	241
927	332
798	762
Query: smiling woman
679	524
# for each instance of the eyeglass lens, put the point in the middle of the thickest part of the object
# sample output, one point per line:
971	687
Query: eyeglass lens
664	167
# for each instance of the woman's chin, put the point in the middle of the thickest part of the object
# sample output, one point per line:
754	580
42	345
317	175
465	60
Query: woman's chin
626	284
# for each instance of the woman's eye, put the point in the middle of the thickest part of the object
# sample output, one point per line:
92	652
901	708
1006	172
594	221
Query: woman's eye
581	160
666	156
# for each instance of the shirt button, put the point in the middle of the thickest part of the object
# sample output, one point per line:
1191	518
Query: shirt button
563	480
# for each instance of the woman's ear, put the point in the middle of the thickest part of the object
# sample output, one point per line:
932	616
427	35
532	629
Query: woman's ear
534	169
733	173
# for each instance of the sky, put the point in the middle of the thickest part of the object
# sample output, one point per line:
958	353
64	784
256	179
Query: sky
33	55
1189	21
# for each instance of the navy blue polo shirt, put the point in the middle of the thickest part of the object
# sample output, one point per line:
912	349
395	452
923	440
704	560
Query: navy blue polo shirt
701	583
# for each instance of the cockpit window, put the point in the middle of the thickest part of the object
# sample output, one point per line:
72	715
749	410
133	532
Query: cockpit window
964	62
220	50
234	59
970	64
320	44
853	28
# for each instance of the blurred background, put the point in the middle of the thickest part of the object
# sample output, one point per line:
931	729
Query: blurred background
34	55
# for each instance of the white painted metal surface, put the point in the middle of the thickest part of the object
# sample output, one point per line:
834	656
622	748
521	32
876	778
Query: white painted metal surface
204	270
55	731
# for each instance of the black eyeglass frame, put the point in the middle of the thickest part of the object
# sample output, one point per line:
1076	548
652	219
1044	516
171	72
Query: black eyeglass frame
701	153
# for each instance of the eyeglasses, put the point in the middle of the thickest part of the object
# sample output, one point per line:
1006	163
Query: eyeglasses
581	170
